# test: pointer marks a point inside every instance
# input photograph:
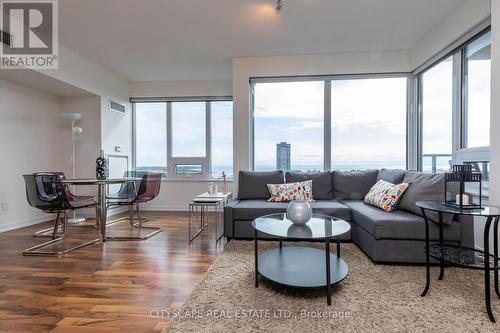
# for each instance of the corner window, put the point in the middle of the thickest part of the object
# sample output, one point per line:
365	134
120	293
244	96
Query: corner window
436	100
477	89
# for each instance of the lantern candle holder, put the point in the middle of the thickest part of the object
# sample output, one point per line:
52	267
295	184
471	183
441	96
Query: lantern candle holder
463	188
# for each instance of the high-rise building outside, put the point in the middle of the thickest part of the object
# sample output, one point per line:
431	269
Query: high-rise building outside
283	150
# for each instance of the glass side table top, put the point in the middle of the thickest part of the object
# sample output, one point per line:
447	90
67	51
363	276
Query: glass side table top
438	206
319	227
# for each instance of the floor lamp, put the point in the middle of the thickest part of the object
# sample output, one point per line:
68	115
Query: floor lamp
75	130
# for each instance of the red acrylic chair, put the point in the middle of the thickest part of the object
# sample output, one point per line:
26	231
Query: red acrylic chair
149	188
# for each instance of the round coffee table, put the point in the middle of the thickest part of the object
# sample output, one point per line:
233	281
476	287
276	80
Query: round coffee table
301	267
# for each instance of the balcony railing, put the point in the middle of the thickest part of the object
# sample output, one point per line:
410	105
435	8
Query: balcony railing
438	162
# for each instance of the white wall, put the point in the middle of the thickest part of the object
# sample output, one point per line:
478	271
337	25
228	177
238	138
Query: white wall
181	88
467	15
30	140
80	72
495	104
175	195
88	143
323	64
116	130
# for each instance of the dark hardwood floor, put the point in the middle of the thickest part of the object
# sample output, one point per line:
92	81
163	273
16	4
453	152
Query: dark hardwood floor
110	287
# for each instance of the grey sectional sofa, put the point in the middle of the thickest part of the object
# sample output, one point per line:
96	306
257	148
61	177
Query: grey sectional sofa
398	236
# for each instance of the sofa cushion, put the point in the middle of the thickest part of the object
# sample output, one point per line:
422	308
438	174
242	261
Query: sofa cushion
424	186
385	195
353	184
322	182
253	185
397	224
394	176
291	191
251	209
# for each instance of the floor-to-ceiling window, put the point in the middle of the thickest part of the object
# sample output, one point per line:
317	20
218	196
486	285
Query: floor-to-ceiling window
288	125
151	137
454	99
436	100
348	122
222	138
368	123
476	81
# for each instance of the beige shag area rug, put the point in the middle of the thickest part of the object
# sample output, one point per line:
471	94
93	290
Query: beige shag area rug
373	298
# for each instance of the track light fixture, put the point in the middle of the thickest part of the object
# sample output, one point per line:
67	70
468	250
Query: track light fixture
279	5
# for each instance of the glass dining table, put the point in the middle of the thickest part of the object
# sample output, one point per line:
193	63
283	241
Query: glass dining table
101	184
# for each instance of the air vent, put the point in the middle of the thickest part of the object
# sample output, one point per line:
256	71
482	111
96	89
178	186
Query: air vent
5	38
117	107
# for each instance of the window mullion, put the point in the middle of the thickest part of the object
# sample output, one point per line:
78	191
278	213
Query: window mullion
208	140
327	124
170	163
458	106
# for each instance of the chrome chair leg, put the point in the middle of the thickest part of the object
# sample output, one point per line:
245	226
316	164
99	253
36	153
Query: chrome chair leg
56	226
48	232
141	219
131	218
36	250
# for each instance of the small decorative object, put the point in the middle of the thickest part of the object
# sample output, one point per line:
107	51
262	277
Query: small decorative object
213	188
101	167
299	212
223	178
459	185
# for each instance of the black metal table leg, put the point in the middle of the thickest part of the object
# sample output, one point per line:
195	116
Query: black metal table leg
256	260
495	249
427	263
328	287
338	247
441	241
281	244
487	299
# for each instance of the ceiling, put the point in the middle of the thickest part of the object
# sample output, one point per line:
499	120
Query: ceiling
196	39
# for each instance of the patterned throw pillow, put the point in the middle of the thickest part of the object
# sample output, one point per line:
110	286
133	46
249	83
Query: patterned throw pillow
385	195
291	191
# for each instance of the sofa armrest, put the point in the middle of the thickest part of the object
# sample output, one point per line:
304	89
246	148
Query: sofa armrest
228	218
466	230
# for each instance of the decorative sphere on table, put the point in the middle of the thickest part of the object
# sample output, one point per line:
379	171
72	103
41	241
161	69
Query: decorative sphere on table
299	212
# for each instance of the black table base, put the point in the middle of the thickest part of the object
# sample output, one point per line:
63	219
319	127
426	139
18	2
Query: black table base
464	257
301	267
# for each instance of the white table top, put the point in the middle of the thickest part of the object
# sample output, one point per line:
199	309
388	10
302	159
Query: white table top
220	195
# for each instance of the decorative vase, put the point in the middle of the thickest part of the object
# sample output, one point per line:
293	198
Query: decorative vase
299	212
213	189
101	167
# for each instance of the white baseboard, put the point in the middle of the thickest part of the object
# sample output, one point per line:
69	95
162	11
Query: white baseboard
165	208
26	222
49	217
